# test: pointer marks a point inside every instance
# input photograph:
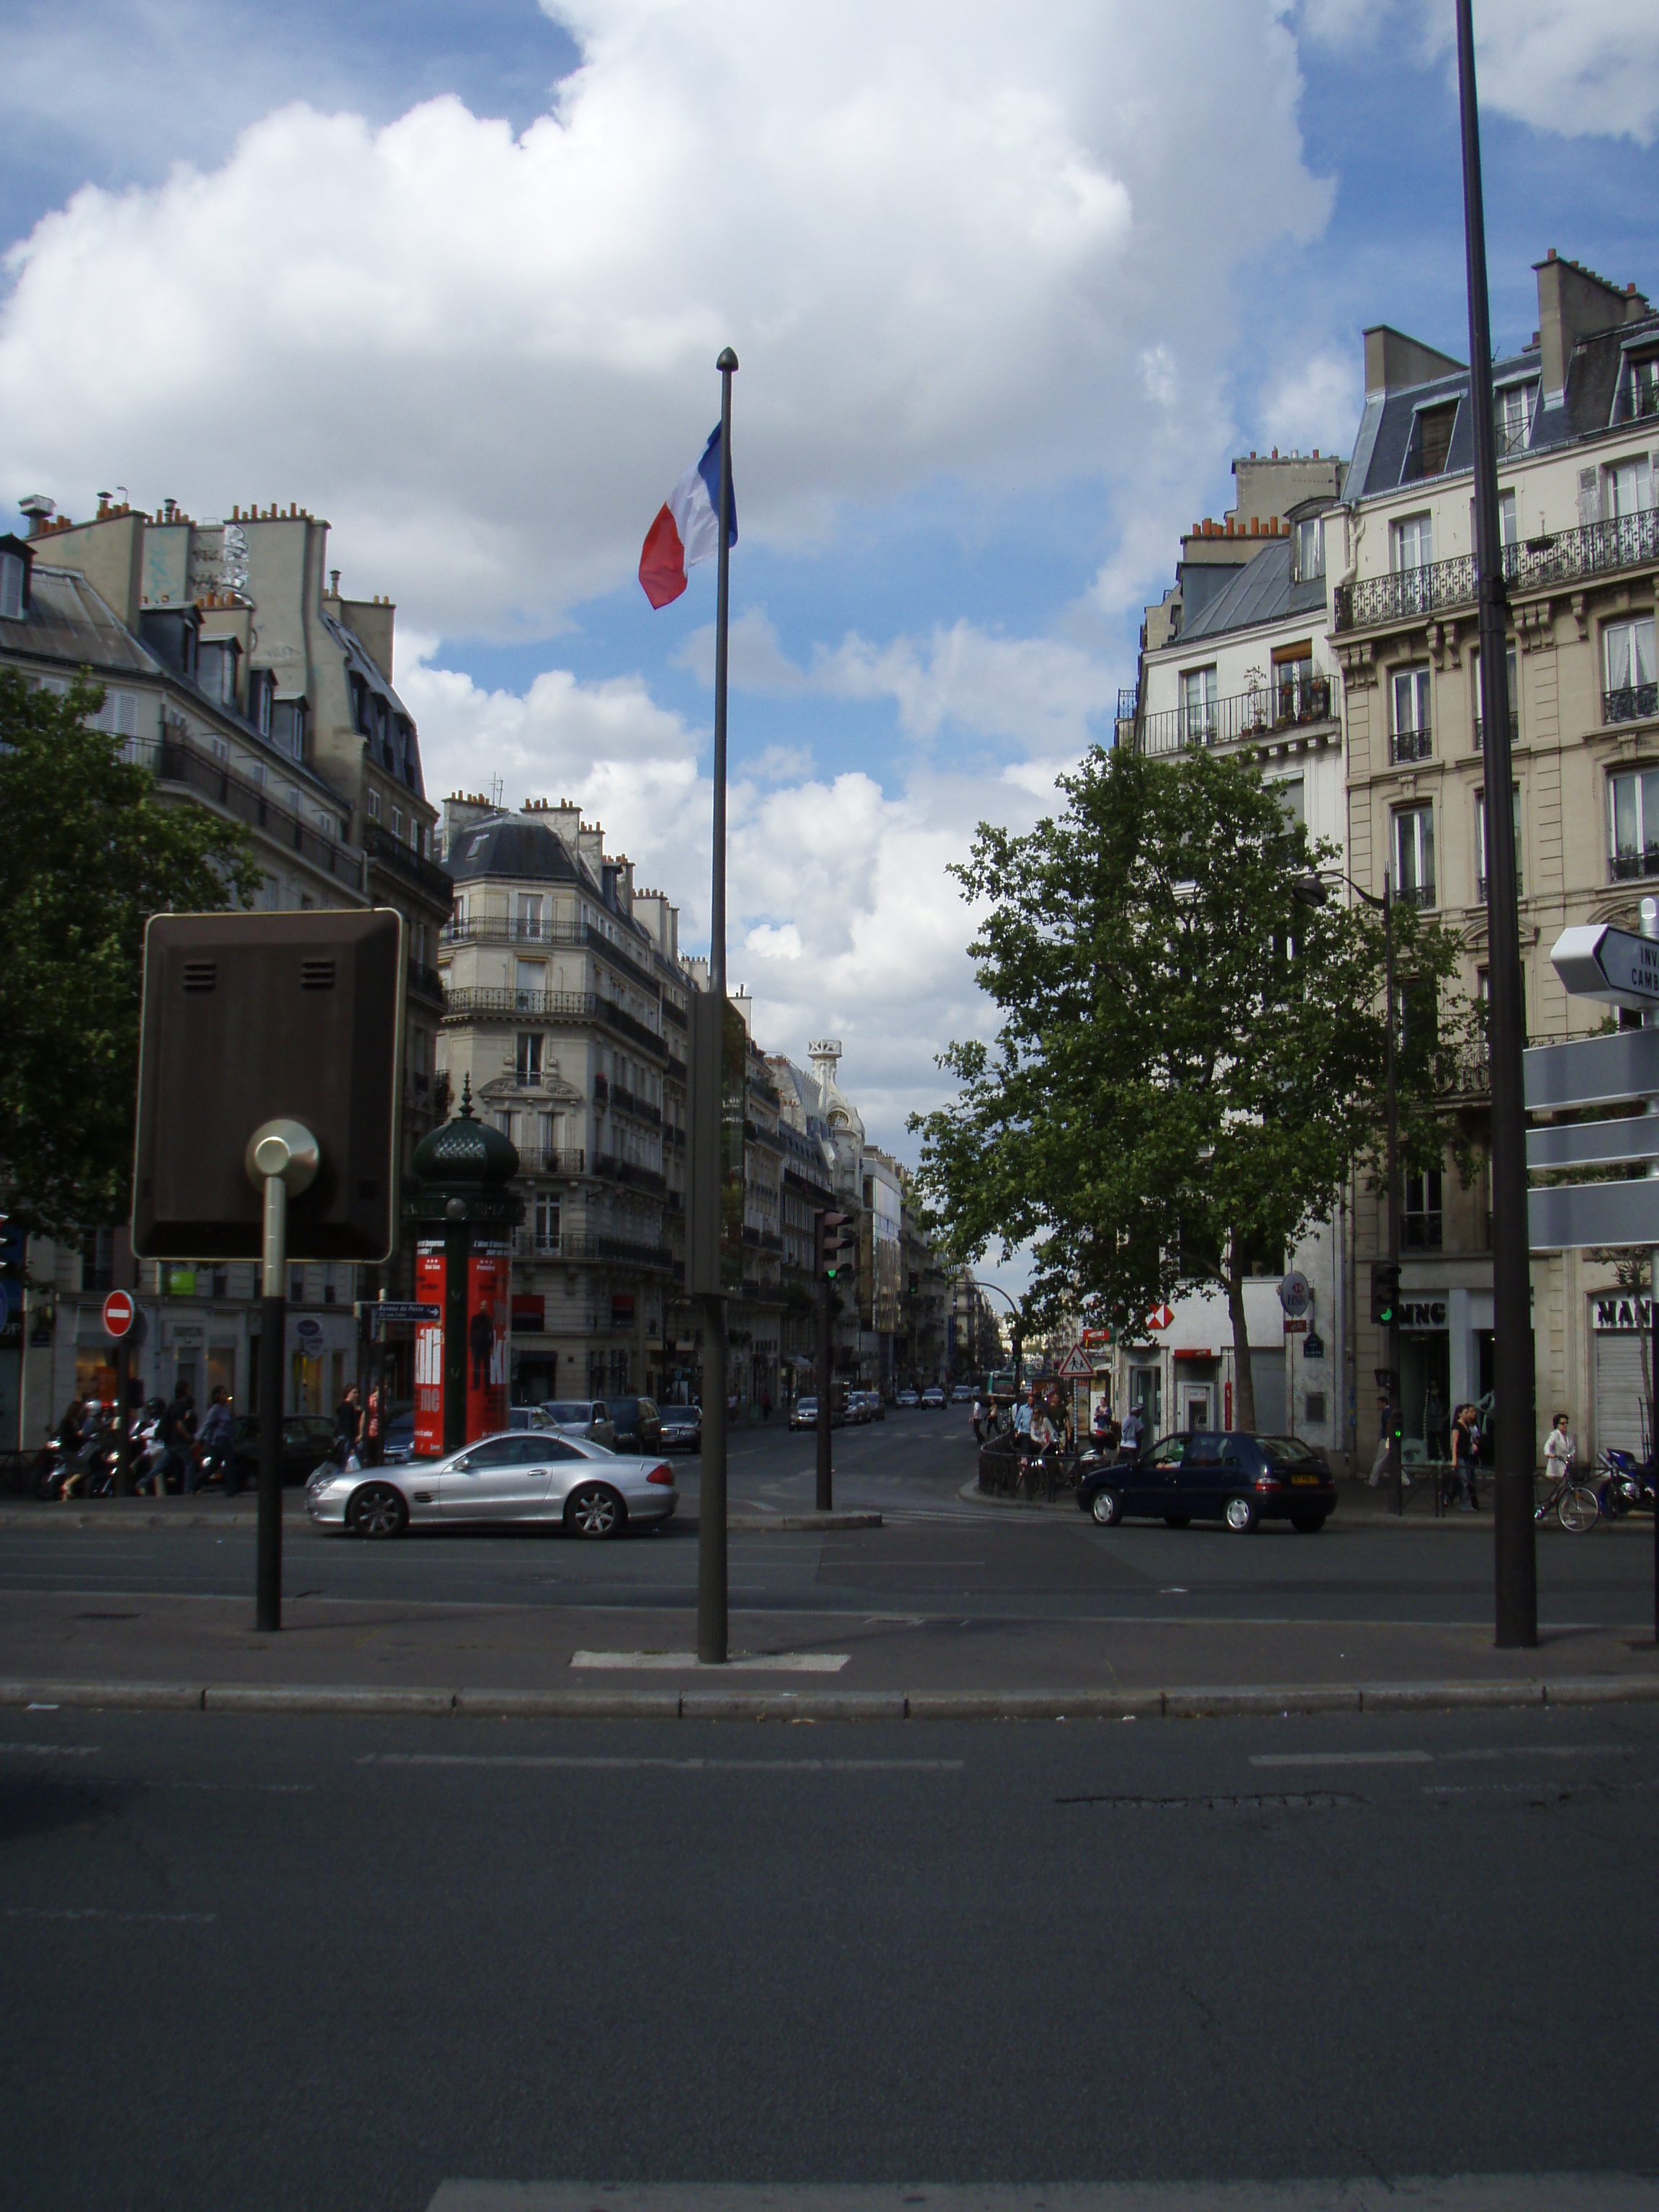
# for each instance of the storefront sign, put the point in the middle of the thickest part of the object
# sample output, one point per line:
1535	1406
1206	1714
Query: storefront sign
529	1313
1422	1313
1622	1311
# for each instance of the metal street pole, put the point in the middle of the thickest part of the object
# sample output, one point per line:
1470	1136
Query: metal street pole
457	1252
122	1418
1650	928
1516	1561
712	1606
1396	1472
282	1159
826	1406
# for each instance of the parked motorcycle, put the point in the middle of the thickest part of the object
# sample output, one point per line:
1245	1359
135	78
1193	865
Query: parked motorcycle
1623	1484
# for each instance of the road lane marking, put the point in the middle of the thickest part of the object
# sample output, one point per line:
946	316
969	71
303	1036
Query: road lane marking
100	1912
1343	1759
52	1750
777	1662
669	1765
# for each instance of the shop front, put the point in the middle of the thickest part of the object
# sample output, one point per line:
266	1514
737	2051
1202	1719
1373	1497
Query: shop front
1619	1325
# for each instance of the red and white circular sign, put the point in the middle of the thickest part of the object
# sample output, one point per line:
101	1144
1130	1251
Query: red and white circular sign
118	1312
1160	1317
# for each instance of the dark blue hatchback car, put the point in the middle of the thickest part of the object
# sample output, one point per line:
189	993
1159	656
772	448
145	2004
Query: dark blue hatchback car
1235	1479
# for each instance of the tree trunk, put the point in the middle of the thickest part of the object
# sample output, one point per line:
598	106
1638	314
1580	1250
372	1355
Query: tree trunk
1243	1380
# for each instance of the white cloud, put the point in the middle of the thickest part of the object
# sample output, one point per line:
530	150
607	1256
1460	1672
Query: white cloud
842	917
939	235
1314	401
1585	68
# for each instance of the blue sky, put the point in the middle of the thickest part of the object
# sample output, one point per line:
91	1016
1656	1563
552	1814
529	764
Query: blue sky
1009	294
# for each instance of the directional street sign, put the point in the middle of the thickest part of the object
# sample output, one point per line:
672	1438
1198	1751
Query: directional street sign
1595	1144
1596	961
1574	1214
1591	1071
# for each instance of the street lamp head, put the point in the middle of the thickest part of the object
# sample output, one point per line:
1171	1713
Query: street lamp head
1308	890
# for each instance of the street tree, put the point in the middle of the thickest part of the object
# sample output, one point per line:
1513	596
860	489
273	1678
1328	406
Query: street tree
89	853
1190	1063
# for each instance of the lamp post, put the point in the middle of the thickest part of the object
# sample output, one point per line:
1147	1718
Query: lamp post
1019	1327
1310	891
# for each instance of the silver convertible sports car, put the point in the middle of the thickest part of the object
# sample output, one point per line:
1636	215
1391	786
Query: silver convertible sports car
524	1475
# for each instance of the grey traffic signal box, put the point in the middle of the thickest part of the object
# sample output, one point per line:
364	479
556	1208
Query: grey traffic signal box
248	1017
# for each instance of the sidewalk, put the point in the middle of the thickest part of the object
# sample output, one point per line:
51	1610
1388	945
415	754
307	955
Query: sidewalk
146	1649
1358	1506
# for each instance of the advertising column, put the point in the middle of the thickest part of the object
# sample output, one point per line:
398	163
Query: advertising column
486	1307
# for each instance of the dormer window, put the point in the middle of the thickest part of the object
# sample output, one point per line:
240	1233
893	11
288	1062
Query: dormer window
1431	442
12	570
1512	412
1642	386
1309	550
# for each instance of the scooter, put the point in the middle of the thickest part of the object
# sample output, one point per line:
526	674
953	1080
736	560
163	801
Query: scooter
1623	1484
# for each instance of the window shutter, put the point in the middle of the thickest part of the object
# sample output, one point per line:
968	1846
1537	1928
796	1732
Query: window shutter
1589	497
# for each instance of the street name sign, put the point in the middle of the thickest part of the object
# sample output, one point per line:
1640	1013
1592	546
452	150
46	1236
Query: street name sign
118	1312
1599	1071
1596	961
1575	1214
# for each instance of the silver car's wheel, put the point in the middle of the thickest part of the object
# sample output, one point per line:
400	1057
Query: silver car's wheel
1240	1515
378	1510
1106	1508
593	1510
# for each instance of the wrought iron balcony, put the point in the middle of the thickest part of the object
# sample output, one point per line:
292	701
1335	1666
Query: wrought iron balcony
1629	541
1632	702
1629	868
1480	730
1257	714
175	759
551	1159
1420	895
1414	744
387	851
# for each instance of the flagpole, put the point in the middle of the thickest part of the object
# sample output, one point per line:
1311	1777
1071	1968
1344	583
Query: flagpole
712	1611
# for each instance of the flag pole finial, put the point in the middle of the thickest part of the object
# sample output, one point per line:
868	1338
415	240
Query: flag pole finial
727	362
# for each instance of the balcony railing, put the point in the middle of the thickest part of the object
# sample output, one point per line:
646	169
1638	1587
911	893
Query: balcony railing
391	851
551	1159
629	1171
427	981
1420	895
175	759
1632	702
1629	541
481	1004
1480	730
1629	868
1257	714
578	1245
1414	744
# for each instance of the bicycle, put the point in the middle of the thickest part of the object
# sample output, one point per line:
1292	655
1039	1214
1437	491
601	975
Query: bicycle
1575	1505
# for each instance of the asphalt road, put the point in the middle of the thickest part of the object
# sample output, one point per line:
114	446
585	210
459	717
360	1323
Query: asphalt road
936	1554
283	1964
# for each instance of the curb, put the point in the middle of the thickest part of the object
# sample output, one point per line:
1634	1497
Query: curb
43	1515
722	1705
1348	1513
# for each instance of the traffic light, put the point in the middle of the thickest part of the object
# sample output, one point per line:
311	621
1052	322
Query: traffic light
1385	1293
835	1246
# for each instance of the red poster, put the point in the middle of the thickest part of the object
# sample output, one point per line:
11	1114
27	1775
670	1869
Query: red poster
488	1294
486	1307
429	1351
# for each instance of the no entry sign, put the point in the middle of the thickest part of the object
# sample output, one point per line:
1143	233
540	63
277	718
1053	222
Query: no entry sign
118	1312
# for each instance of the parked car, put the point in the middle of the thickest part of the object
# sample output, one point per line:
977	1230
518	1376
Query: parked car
874	1408
528	1417
962	1393
682	1428
933	1398
306	1437
907	1398
636	1423
588	1417
804	1415
397	1447
1238	1479
534	1475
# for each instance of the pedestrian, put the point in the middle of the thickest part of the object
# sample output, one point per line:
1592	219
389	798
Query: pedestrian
214	1444
1134	1429
1042	1430
89	1450
1466	1458
1436	1441
347	1419
173	1434
373	1428
1558	1450
978	1420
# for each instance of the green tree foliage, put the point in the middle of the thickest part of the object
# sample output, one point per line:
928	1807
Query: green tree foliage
89	854
1190	1061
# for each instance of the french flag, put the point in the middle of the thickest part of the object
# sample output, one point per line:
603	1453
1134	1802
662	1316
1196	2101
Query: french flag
687	528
